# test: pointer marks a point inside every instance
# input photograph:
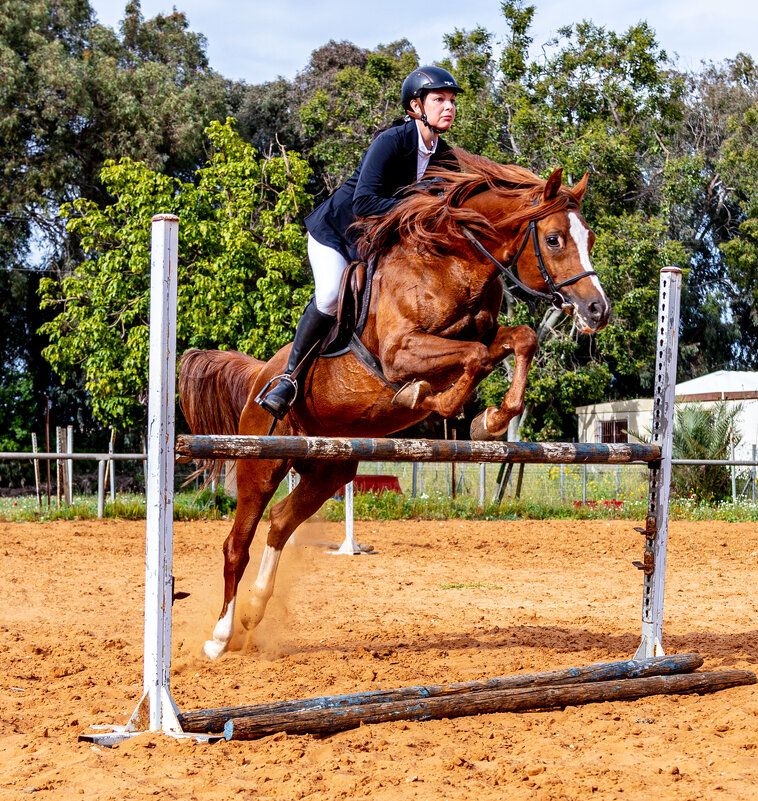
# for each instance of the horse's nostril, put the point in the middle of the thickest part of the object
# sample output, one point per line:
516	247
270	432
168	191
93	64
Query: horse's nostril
596	310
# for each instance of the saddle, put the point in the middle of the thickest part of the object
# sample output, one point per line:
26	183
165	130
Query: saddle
352	313
352	308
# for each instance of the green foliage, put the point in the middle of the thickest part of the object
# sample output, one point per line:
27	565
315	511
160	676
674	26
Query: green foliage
630	250
704	432
241	279
73	95
477	123
187	506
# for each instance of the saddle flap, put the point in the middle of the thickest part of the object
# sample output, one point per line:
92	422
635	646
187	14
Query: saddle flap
351	285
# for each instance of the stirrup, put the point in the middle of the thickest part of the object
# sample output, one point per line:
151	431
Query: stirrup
260	398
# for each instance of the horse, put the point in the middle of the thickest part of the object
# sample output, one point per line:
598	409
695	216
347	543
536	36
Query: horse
432	323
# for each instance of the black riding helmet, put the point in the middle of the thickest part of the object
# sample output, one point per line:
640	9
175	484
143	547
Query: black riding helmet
426	79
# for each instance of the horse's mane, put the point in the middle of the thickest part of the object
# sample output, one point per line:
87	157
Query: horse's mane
431	222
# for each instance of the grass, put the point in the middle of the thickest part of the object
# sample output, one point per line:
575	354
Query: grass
203	505
187	506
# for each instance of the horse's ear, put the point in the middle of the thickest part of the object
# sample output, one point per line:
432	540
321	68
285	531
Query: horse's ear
553	184
579	189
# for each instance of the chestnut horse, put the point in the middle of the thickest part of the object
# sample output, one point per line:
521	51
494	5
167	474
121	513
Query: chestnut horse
432	323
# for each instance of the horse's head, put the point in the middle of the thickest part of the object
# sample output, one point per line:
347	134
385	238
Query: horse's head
564	241
546	245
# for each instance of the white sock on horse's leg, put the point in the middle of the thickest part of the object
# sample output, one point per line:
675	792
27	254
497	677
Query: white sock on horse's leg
222	633
251	612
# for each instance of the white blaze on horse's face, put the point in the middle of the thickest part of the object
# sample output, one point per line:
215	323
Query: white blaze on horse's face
592	316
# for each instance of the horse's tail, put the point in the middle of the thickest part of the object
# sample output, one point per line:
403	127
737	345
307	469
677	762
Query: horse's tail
214	386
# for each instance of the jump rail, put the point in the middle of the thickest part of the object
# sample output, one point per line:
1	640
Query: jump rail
157	711
410	450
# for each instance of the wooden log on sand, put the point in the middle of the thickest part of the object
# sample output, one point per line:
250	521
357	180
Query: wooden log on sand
212	720
329	721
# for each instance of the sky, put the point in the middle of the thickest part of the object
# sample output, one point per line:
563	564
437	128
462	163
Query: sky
259	40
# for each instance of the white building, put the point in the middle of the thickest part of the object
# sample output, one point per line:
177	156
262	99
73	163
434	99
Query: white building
618	421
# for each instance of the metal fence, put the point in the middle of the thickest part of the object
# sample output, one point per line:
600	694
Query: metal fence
550	484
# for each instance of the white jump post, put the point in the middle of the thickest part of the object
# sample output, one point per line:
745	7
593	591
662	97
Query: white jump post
156	710
656	525
349	546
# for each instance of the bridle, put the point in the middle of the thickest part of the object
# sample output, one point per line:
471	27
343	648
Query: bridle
554	295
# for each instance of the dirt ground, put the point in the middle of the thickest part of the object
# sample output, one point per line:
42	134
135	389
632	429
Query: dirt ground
534	596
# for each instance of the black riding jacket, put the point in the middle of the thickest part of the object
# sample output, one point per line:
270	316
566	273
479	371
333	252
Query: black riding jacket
388	166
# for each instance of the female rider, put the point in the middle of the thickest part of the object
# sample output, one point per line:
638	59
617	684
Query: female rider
397	158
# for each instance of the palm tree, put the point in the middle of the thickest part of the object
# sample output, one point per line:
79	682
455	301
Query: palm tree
704	432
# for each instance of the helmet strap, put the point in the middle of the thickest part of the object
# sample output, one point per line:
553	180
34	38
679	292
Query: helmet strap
424	120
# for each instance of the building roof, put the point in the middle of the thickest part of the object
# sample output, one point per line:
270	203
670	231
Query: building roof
729	384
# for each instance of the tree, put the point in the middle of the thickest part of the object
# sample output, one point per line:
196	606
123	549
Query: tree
479	118
241	282
72	95
705	433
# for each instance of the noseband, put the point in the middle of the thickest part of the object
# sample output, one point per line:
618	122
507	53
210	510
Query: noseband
554	295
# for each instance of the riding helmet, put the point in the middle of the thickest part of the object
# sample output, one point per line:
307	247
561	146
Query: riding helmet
426	79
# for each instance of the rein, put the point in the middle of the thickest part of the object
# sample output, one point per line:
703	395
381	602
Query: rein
554	295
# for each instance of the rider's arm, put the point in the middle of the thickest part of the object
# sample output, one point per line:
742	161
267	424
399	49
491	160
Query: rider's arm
379	177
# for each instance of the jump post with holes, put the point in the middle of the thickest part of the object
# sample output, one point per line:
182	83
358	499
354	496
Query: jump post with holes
649	672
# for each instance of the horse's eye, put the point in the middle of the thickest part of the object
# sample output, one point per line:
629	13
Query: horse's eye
553	240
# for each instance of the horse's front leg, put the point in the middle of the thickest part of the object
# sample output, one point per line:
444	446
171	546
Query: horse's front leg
520	340
423	359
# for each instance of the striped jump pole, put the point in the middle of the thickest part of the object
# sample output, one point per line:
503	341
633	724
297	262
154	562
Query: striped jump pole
156	710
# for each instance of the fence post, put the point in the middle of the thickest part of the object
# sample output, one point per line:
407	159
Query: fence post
584	484
37	480
112	464
752	472
656	528
414	480
563	483
734	467
59	465
70	463
482	482
101	488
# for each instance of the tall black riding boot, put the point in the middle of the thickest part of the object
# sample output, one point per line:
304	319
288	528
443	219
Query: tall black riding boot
311	331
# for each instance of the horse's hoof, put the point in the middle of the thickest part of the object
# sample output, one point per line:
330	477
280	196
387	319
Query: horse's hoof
251	613
411	394
479	430
213	649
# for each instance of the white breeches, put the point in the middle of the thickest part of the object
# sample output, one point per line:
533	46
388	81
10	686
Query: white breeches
327	265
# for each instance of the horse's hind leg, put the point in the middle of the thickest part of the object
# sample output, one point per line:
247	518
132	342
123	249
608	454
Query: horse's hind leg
318	482
256	482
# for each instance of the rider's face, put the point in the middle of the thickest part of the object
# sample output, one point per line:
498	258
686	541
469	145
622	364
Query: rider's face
439	107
